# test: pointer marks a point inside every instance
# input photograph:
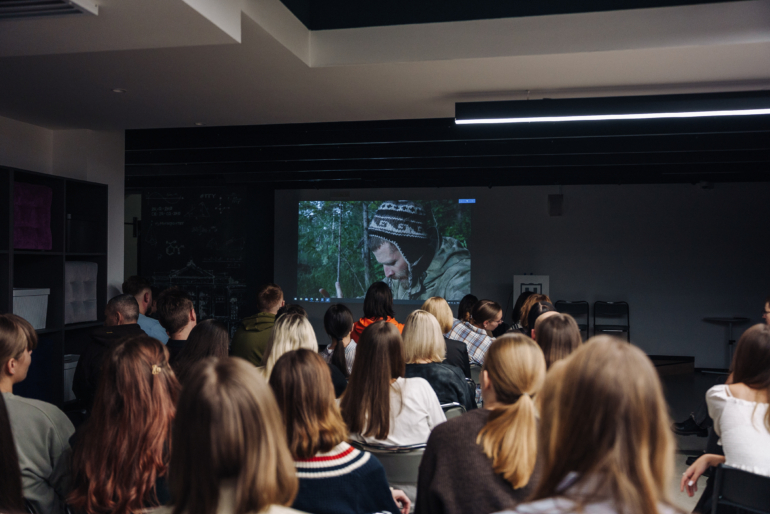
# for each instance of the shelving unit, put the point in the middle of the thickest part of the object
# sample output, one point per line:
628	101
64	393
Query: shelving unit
79	233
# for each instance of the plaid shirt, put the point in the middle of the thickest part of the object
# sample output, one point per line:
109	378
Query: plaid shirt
476	339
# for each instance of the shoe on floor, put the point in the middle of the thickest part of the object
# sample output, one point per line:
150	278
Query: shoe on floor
689	427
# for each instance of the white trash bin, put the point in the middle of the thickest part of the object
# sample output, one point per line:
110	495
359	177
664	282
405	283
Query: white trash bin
32	305
70	363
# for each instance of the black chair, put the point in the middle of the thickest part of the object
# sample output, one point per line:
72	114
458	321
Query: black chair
578	310
452	410
736	490
612	311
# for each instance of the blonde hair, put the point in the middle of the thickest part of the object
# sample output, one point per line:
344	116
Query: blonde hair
423	338
604	414
228	427
16	337
516	368
440	308
290	332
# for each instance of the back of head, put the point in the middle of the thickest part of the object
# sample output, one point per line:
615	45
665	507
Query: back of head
484	310
365	403
516	369
516	314
132	415
11	499
290	332
126	305
136	285
603	413
269	298
174	306
558	335
208	338
291	308
464	309
751	362
378	302
229	428
441	310
338	322
536	310
422	338
302	384
528	303
16	337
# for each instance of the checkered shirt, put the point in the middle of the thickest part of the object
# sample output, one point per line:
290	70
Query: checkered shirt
476	339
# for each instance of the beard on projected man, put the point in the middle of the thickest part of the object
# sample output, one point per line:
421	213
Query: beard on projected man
417	263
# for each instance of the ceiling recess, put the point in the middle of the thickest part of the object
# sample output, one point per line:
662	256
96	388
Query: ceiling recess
20	9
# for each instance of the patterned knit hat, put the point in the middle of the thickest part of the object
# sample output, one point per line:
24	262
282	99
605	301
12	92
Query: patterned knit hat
402	223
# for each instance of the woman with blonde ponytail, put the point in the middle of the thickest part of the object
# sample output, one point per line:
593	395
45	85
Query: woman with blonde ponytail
484	461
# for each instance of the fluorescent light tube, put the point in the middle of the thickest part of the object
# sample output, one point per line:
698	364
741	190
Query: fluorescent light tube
598	117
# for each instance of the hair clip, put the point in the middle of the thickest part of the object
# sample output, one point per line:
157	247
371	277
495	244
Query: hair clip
155	369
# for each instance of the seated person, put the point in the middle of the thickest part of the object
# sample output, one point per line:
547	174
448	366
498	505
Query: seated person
229	454
121	453
464	309
11	499
176	314
209	338
291	308
378	305
334	477
338	324
424	351
291	332
558	335
250	340
140	288
516	313
380	406
486	315
484	460
120	320
456	351
41	431
538	311
528	303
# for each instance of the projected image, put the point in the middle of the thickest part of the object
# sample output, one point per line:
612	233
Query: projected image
420	249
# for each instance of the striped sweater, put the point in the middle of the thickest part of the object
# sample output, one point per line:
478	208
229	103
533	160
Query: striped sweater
343	481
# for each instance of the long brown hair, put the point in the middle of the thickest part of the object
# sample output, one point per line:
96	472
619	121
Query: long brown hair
516	368
125	443
365	403
302	383
16	337
229	428
528	303
558	335
604	415
208	338
751	362
11	499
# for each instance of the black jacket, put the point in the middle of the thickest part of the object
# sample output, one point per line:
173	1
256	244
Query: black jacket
447	381
457	355
88	371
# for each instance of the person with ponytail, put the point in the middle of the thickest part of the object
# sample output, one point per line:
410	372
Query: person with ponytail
120	459
338	323
484	461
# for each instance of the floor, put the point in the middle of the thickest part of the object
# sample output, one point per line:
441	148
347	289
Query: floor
684	392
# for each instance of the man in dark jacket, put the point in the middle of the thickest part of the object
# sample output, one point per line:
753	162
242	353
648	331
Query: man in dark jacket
250	341
121	316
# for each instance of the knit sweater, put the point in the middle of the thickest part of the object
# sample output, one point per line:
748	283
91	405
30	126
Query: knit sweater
343	481
456	476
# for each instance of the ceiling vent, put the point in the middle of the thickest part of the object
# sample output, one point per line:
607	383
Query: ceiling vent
18	9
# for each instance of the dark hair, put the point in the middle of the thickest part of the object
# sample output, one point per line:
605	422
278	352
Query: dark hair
11	499
751	362
536	310
126	305
516	315
174	307
528	303
291	308
135	285
464	309
268	297
378	302
338	322
365	403
209	338
558	335
484	310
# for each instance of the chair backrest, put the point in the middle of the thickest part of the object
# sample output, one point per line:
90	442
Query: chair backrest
476	373
610	310
452	410
575	309
401	463
737	488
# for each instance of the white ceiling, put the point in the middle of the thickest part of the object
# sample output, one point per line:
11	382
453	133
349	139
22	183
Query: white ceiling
236	62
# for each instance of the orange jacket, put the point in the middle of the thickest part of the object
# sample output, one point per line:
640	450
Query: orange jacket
361	324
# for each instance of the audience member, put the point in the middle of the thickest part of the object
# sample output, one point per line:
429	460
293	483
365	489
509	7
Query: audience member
291	308
176	314
456	351
40	430
253	334
603	438
338	323
483	461
11	499
229	454
424	351
209	338
740	412
380	406
537	311
334	477
486	315
120	321
464	309
152	312
528	303
140	288
291	332
516	314
557	335
120	458
378	305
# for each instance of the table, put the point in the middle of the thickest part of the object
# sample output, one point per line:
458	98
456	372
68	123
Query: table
736	320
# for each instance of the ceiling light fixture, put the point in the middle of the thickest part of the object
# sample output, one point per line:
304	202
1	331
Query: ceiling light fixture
119	90
750	103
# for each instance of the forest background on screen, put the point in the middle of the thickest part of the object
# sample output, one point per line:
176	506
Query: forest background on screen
331	242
